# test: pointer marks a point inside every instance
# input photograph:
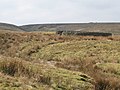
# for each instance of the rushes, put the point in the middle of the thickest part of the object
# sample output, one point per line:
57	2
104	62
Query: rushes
14	67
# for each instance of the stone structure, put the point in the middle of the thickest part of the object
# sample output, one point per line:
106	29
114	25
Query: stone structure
83	33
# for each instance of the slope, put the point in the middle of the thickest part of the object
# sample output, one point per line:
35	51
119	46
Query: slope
91	27
10	27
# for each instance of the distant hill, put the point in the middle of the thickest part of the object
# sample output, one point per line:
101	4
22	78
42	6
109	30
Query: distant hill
91	27
84	27
10	27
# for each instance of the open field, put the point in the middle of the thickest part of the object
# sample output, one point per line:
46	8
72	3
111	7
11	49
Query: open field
45	61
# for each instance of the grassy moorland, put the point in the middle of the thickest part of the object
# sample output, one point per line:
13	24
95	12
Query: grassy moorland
45	61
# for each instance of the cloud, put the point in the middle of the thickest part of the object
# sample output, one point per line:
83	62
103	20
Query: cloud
45	11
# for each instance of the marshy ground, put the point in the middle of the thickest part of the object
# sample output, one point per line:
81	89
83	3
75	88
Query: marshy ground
45	61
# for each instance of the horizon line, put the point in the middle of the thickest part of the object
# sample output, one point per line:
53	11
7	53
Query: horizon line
53	23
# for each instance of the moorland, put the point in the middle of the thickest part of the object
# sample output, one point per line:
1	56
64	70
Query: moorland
46	61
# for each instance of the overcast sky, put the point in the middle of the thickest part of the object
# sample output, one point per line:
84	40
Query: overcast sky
51	11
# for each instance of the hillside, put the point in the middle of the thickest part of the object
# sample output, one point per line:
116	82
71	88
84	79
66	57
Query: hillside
84	27
45	61
91	27
10	27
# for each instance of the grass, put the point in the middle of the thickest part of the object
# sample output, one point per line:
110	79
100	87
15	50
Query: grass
110	68
45	61
103	51
56	78
107	84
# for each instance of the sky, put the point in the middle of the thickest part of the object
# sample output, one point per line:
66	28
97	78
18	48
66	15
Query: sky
22	12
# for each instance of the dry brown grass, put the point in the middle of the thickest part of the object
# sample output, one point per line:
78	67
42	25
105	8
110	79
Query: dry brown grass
101	80
15	67
10	43
108	83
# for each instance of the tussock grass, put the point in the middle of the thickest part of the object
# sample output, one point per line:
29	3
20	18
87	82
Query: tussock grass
110	83
14	67
44	61
41	75
113	68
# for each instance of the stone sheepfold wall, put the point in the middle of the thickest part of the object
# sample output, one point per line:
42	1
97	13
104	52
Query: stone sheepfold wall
83	33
